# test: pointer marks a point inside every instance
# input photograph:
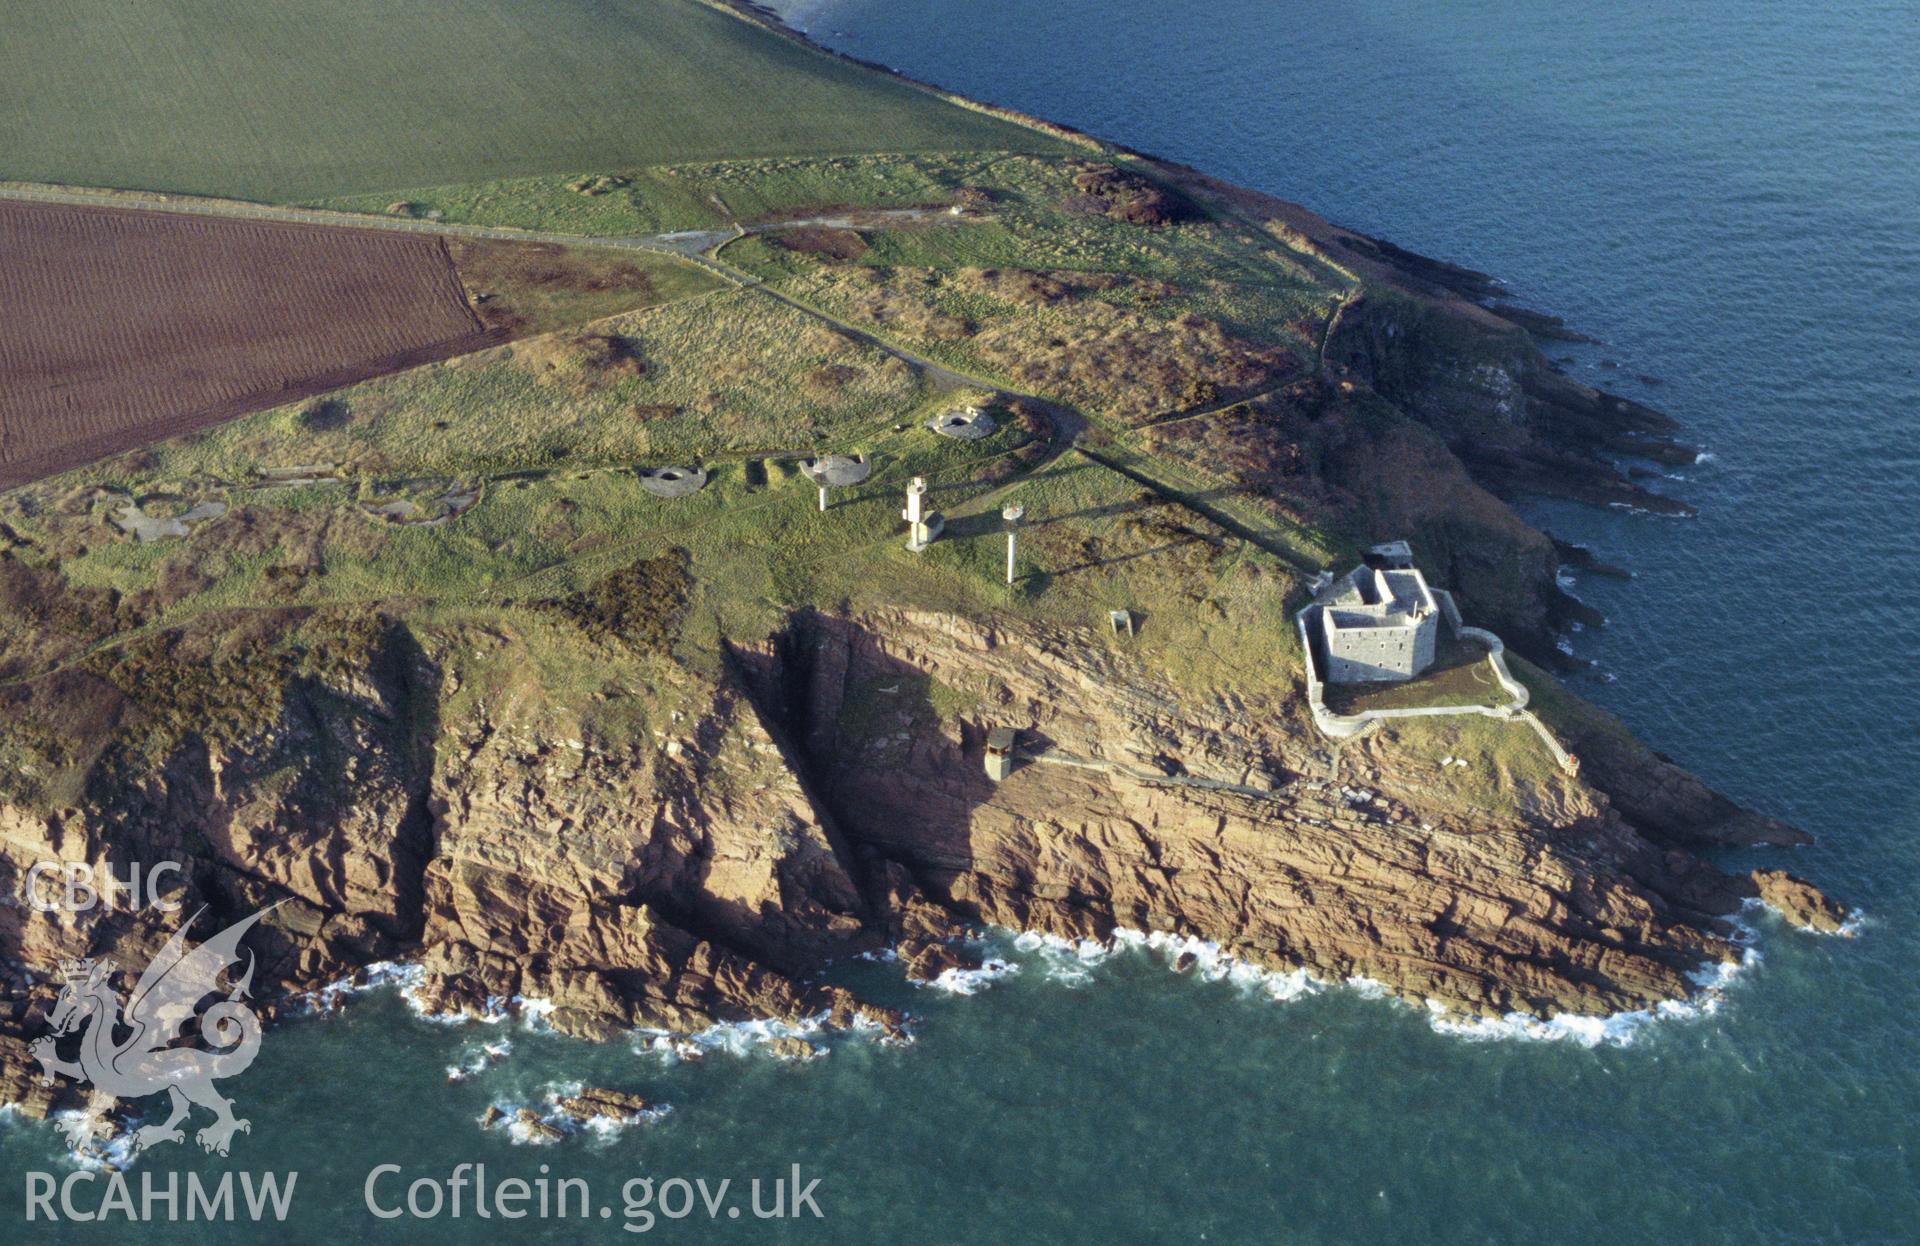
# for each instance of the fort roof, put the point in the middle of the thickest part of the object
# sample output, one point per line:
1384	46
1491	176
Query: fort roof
1371	597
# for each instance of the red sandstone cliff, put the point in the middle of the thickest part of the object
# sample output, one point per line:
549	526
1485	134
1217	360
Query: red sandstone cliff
817	802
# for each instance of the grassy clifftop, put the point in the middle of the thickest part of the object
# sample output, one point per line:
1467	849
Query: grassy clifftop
515	475
1154	349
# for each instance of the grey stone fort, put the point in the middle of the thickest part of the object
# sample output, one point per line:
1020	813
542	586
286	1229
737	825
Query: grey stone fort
1379	622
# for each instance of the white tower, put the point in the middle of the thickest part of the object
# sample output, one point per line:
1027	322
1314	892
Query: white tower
923	526
1011	513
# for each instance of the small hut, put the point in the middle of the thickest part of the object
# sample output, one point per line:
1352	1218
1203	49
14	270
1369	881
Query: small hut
1000	743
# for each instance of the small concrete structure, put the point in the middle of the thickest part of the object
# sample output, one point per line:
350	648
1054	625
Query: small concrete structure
672	482
999	755
144	527
408	513
968	424
1379	624
1390	556
836	471
1122	621
923	526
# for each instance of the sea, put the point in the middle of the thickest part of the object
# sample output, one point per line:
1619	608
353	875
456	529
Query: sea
1727	197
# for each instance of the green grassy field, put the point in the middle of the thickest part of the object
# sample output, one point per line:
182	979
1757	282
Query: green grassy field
633	117
302	99
1507	772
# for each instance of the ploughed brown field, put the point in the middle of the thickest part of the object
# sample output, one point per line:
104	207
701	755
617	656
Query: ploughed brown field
118	328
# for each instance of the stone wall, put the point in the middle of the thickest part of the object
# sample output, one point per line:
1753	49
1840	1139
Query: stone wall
1308	620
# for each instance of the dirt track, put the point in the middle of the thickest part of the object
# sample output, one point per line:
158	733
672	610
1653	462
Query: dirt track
124	327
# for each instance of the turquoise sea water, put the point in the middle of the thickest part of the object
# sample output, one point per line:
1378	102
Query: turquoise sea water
1729	196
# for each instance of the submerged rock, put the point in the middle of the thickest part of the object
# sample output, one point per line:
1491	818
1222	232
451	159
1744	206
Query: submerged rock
790	1048
528	1124
924	960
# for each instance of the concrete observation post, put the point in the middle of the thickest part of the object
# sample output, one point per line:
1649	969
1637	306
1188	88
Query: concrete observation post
923	526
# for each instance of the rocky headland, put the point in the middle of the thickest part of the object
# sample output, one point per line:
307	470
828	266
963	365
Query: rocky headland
646	813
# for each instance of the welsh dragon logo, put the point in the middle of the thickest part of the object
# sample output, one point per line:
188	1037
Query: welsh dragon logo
147	1060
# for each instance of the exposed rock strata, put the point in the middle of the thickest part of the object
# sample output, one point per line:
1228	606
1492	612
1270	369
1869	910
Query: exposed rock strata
1799	901
1421	333
598	1103
1220	817
700	872
676	883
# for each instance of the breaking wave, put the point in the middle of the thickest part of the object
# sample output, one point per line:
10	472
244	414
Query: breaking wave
544	1122
86	1148
733	1038
331	996
480	1061
1072	963
971	981
1620	1029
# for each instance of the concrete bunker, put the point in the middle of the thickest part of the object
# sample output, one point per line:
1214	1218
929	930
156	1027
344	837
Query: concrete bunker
964	424
143	527
672	482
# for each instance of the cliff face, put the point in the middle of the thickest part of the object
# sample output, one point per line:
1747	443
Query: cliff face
1430	337
827	797
1480	382
1225	817
674	877
1321	441
671	883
